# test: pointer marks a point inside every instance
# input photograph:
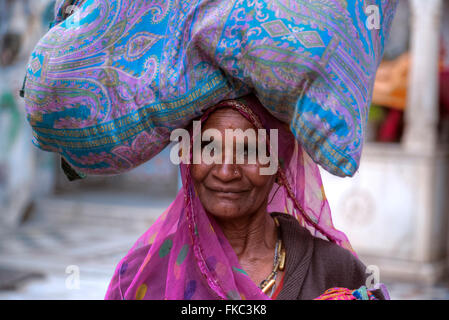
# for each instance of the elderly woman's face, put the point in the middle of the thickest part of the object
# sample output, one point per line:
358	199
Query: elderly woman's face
230	191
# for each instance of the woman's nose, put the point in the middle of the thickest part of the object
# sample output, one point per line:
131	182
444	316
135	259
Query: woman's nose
226	172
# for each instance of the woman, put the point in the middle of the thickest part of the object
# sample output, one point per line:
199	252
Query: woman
232	233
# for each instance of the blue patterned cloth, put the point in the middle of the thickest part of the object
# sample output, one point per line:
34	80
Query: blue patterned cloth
106	86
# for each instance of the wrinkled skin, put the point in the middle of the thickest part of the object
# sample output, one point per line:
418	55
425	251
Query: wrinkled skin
236	196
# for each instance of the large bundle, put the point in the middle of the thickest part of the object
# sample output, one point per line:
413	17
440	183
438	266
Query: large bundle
106	86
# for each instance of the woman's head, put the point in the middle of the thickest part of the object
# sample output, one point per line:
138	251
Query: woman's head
190	246
232	190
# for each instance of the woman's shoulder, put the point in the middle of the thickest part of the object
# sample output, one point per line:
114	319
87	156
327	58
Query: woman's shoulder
333	251
338	267
327	264
337	260
326	253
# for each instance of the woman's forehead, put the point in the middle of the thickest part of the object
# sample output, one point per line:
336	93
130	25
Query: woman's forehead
226	118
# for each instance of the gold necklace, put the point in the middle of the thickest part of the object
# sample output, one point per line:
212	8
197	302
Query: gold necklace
278	263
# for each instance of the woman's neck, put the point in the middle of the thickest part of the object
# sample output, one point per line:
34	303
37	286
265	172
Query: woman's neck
252	237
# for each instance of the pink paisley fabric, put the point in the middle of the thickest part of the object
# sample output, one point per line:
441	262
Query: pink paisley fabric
346	294
184	254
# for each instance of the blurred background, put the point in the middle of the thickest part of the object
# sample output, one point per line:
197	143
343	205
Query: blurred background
62	240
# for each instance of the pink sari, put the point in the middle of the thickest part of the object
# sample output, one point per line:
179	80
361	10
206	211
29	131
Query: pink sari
184	254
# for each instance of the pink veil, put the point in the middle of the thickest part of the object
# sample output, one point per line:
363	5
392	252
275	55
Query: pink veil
184	255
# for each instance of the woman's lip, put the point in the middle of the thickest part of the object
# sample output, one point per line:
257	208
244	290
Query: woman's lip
226	190
227	193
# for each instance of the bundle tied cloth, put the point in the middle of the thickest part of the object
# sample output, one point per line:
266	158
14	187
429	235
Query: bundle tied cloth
107	84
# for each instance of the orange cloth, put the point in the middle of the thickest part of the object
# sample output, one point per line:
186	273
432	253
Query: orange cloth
390	87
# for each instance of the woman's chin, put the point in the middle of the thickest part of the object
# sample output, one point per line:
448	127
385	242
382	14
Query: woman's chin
225	211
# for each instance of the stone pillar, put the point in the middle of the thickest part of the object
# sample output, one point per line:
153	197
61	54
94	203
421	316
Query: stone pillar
422	107
421	119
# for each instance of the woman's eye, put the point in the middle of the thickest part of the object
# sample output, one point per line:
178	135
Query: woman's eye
250	154
204	145
212	151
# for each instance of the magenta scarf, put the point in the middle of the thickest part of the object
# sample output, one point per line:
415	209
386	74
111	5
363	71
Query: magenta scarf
184	254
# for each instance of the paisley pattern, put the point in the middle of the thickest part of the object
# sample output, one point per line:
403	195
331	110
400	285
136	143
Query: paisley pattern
346	294
185	254
117	69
